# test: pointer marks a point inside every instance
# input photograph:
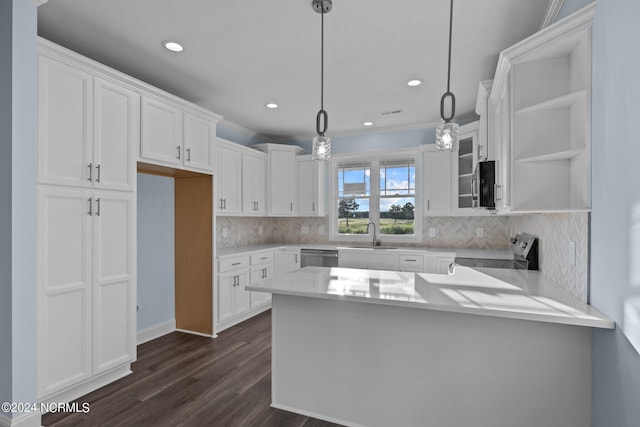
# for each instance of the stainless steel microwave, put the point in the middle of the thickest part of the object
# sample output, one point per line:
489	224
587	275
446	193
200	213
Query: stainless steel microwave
484	185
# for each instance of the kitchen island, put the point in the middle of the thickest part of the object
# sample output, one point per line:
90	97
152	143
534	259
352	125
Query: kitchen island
480	347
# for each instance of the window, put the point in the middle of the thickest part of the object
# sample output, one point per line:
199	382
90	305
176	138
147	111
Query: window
381	190
397	197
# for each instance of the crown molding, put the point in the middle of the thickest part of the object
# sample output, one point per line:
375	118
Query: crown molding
551	15
39	2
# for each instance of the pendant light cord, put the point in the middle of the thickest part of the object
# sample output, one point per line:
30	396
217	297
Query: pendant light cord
448	93
322	60
450	35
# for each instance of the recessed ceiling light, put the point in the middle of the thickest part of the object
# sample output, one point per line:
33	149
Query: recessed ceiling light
271	105
368	123
414	82
172	46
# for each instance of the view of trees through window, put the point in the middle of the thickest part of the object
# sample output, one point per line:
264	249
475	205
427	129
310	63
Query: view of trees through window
393	200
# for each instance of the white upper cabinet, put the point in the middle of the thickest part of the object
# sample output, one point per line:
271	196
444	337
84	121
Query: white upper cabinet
541	98
229	178
65	123
462	167
88	128
254	173
437	181
199	135
161	132
116	135
281	182
311	192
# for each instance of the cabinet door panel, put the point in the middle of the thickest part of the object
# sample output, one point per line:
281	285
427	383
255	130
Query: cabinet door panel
230	176
242	296
437	175
226	290
64	130
198	143
114	281
161	132
64	288
282	182
307	188
116	135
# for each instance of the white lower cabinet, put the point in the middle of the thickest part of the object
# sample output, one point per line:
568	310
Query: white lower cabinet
262	267
233	299
86	285
368	259
287	260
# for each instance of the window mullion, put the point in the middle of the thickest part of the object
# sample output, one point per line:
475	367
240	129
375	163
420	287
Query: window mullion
374	204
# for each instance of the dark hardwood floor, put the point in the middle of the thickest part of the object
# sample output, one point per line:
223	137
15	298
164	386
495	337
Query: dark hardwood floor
187	380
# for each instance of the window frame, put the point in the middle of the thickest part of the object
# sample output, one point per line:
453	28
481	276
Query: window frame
374	159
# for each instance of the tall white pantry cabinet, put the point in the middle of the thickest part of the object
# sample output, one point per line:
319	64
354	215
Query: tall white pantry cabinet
88	134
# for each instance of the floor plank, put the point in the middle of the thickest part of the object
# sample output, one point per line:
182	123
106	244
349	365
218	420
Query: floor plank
187	380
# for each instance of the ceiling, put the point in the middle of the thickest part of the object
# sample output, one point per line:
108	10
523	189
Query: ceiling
241	54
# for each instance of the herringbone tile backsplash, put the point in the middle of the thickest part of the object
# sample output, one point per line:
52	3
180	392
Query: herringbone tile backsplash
555	231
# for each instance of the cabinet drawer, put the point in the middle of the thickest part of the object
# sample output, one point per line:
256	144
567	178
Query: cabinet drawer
262	258
234	263
410	260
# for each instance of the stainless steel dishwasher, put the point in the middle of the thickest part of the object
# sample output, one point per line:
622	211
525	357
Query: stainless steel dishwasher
319	257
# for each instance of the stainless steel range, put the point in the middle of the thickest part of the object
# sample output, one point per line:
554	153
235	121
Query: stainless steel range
525	255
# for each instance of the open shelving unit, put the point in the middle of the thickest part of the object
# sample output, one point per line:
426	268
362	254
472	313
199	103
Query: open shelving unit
547	78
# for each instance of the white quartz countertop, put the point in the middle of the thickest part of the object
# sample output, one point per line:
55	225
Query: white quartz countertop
459	252
515	294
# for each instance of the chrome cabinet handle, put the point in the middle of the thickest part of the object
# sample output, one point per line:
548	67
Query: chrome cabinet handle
90	207
313	206
98	168
296	258
428	205
90	166
98	209
179	155
411	260
189	154
291	207
235	263
221	204
224	204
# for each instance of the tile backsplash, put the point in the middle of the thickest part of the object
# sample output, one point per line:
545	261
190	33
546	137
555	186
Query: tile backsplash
554	230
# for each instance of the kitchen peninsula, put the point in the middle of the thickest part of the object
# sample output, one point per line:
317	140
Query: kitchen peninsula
482	347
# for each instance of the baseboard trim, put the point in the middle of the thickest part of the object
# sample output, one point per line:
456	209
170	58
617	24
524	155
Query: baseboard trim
156	331
314	415
24	420
186	331
79	390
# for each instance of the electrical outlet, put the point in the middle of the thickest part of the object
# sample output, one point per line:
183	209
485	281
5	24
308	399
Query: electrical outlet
304	229
479	232
432	232
225	231
321	229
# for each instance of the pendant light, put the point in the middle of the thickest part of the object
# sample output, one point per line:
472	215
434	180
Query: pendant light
321	143
447	132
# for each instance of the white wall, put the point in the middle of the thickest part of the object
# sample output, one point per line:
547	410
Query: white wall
156	245
18	126
615	217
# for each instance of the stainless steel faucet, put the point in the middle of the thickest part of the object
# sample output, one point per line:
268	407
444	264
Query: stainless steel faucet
375	241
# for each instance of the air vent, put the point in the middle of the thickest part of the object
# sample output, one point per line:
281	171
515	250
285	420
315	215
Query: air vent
387	113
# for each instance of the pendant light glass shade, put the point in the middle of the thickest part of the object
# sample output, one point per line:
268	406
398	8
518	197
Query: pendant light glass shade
321	148
447	136
447	133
